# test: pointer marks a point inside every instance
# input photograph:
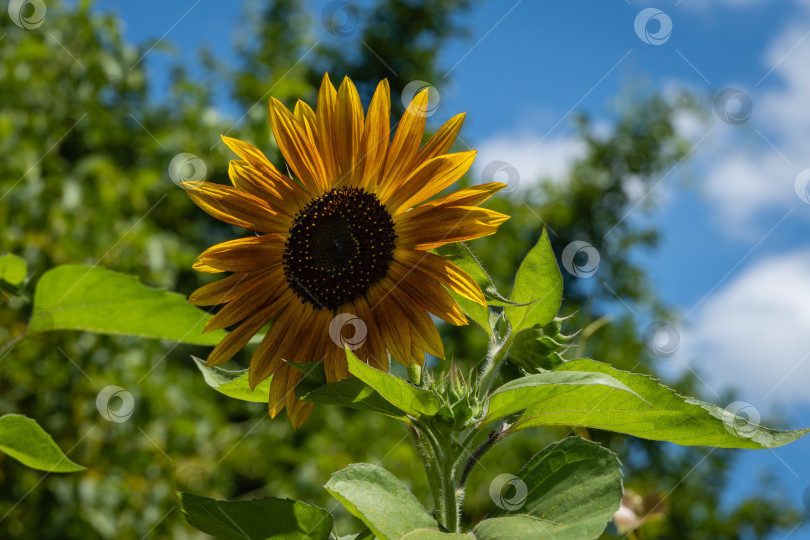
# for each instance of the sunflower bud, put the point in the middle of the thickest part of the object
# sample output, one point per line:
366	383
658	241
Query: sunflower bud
540	349
459	405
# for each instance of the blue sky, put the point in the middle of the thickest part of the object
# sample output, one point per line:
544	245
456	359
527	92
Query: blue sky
735	256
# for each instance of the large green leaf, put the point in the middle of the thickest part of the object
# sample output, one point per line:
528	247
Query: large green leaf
661	415
554	390
95	299
412	400
379	500
24	440
539	284
234	383
13	269
257	519
571	489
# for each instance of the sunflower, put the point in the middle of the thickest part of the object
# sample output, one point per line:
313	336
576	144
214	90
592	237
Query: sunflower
344	241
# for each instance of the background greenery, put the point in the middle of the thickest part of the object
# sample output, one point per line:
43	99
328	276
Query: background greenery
84	179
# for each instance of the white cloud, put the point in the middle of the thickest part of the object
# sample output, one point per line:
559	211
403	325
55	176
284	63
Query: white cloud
533	157
751	168
752	333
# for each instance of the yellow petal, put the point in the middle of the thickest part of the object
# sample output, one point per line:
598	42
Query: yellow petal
349	125
427	293
261	294
422	330
298	148
278	390
471	196
376	136
443	271
405	144
442	140
429	179
244	254
238	338
267	173
443	226
325	115
238	208
226	289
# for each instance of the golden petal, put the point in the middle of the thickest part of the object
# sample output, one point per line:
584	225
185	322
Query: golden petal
446	225
301	413
240	308
278	390
244	254
298	148
325	115
442	140
471	196
349	124
429	179
428	293
238	338
392	324
445	272
376	136
226	289
422	330
268	175
405	144
238	208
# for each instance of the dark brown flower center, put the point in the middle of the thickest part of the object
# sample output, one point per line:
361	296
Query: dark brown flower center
340	244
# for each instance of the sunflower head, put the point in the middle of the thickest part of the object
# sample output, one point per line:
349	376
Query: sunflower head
343	256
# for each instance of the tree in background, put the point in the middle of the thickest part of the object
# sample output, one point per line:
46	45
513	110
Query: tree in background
85	180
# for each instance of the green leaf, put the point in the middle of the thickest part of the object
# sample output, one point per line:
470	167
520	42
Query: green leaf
234	383
433	534
352	392
554	390
379	500
410	399
256	519
98	300
538	282
570	490
13	269
24	440
661	415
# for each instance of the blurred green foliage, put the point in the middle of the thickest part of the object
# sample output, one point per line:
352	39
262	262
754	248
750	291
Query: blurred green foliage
84	180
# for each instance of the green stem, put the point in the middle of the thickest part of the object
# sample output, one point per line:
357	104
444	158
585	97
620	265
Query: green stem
496	355
441	465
